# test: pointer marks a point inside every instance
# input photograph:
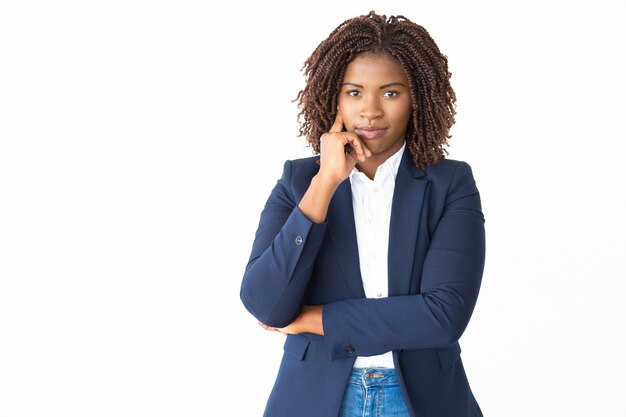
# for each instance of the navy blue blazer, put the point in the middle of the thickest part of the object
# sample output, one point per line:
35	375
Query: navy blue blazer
436	258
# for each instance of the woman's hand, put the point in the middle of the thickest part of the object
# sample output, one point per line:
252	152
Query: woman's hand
335	167
308	321
335	164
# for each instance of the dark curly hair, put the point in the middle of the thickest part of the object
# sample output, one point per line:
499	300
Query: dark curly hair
433	99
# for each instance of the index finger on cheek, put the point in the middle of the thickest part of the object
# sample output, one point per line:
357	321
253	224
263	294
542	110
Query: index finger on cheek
338	125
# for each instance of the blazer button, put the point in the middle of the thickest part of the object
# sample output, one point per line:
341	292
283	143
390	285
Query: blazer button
350	349
298	240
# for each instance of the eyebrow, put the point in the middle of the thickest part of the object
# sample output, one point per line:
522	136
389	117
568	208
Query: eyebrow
381	87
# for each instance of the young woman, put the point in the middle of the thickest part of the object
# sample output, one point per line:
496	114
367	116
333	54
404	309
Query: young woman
369	256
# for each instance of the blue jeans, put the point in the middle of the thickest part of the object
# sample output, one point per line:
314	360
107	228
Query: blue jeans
373	392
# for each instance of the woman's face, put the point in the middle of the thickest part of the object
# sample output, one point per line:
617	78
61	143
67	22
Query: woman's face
375	102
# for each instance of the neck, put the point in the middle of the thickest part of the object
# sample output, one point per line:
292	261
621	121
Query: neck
370	166
372	163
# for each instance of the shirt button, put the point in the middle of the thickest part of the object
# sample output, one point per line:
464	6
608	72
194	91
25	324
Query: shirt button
350	349
379	294
375	189
369	221
298	240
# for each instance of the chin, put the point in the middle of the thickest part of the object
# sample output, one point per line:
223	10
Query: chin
376	149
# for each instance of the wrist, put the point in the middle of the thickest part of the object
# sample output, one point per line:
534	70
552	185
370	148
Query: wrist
326	181
314	319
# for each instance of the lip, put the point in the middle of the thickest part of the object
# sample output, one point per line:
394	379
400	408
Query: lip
370	132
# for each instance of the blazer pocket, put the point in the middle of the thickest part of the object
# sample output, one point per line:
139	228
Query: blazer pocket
449	355
296	346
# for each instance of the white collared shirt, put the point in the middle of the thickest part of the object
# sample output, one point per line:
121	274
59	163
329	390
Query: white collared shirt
371	202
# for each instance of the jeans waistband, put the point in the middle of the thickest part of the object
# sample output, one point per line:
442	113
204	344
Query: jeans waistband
369	377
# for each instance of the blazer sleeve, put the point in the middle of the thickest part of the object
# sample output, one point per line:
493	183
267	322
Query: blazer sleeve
451	278
283	253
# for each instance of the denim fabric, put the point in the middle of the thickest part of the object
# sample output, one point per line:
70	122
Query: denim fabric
373	392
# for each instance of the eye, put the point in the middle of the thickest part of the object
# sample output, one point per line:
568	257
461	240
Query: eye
391	93
352	93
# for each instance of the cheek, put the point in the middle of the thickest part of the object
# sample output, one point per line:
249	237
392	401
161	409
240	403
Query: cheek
407	110
347	111
402	112
343	104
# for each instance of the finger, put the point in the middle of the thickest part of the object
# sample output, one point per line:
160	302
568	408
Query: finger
359	148
353	158
338	125
266	327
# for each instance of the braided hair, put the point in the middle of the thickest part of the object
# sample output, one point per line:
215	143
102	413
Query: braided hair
432	97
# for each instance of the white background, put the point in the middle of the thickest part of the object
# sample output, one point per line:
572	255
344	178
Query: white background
140	139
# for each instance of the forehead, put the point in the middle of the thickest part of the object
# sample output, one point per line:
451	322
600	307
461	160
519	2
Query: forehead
374	68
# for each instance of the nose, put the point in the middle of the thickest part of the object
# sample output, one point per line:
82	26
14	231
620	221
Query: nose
371	109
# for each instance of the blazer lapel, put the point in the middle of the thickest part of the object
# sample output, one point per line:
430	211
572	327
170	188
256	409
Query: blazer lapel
406	209
343	234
